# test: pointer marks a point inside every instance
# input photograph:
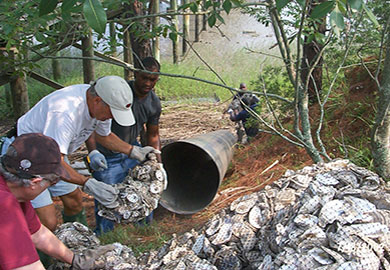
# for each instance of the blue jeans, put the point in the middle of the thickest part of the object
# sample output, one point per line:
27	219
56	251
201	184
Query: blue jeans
118	168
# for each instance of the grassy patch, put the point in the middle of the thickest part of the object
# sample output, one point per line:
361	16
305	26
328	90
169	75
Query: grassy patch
139	238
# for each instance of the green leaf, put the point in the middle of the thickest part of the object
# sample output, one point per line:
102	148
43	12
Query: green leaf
211	20
183	7
95	15
281	4
193	7
356	4
309	39
336	20
165	32
342	7
236	3
301	3
47	6
219	17
227	6
9	45
371	16
40	37
67	8
208	4
173	36
68	5
320	38
322	9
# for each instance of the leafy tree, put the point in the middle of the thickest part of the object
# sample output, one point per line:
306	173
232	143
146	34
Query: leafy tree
297	24
326	24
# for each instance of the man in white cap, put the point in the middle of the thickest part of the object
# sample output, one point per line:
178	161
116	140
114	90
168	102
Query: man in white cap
69	116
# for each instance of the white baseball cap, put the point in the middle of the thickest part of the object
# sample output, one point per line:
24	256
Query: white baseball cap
117	93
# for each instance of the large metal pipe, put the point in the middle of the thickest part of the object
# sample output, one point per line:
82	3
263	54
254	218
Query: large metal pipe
195	169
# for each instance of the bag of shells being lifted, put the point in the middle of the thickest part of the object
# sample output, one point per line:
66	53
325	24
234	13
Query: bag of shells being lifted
139	193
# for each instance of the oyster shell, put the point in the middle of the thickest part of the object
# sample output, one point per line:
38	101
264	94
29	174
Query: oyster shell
326	216
139	193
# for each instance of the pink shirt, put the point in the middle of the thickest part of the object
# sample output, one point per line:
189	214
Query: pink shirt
18	221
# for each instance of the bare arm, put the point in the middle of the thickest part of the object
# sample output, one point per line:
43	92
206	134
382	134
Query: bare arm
75	177
153	138
114	143
48	243
32	266
91	142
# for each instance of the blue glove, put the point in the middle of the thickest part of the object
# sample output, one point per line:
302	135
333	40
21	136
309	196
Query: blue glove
97	161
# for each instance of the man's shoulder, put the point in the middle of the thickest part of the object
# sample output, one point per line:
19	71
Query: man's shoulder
71	90
154	96
75	87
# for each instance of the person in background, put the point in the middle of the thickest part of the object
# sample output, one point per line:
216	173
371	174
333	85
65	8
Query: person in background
242	89
69	116
236	107
30	165
147	110
250	101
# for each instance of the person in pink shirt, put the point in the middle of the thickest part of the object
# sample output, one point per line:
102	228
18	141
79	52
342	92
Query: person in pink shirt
31	164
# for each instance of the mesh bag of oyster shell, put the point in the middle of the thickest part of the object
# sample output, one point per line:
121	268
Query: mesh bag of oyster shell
80	238
139	193
76	236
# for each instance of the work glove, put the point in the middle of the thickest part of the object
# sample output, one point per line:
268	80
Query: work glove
103	193
97	161
165	175
229	111
87	259
140	153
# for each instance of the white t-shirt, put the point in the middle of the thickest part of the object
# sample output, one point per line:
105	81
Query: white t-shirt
63	115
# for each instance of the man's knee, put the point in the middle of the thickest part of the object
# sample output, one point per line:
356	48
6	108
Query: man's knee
47	216
72	202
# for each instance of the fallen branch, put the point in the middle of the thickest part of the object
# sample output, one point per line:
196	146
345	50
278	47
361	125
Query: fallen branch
242	191
269	167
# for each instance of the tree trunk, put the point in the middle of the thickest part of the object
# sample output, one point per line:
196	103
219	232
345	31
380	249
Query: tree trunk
197	32
87	51
127	55
19	93
20	101
204	18
8	96
310	52
156	22
141	47
175	23
113	39
186	30
380	136
302	126
56	67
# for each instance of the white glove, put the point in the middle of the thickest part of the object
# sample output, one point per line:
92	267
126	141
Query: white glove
165	175
103	193
229	111
140	153
98	161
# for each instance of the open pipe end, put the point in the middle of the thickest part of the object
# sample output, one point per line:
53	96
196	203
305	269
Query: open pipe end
193	178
